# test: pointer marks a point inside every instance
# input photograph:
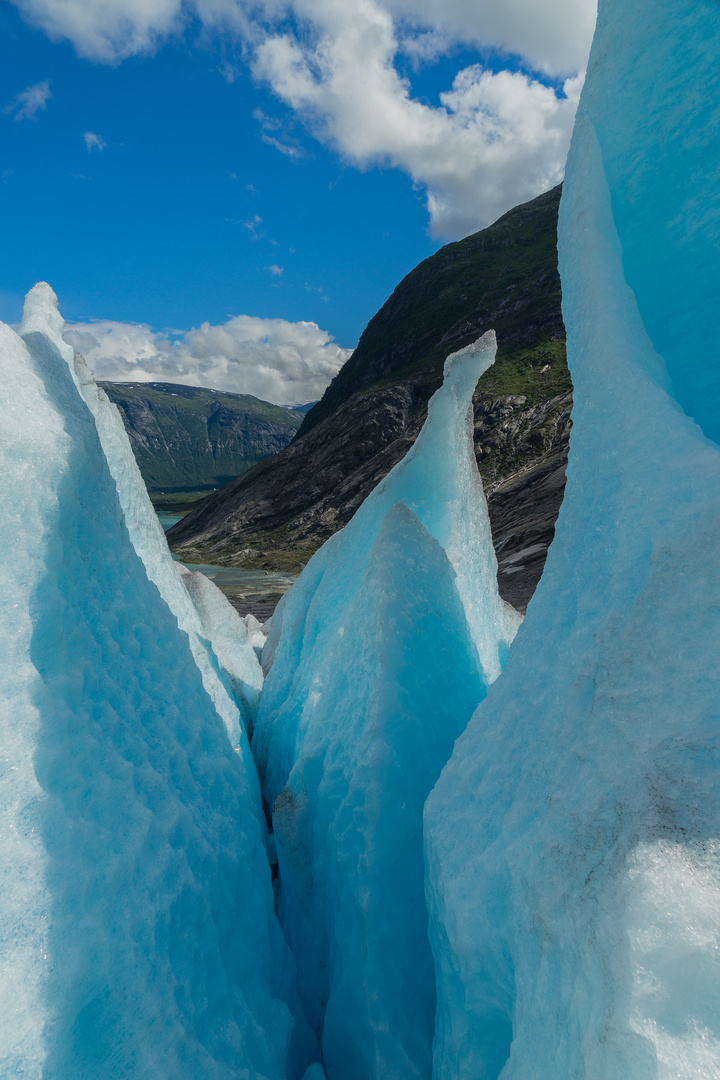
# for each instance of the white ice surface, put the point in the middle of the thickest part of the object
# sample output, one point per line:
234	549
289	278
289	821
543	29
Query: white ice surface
257	633
231	639
573	840
136	926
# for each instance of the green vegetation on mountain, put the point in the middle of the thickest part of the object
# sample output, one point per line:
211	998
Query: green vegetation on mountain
190	439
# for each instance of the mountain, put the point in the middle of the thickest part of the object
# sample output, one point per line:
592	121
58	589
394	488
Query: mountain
188	438
503	278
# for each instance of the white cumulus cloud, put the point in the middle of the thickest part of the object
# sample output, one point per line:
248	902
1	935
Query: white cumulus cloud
272	359
496	137
29	102
553	36
495	140
106	30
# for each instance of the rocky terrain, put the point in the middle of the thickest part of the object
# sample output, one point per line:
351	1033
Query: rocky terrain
188	438
279	512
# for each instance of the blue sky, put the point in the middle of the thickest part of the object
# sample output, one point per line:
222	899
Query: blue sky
153	227
186	178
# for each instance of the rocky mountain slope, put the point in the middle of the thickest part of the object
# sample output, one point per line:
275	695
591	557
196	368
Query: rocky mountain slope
187	438
505	278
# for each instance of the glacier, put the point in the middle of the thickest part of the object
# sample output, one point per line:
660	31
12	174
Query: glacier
376	660
136	916
580	810
492	863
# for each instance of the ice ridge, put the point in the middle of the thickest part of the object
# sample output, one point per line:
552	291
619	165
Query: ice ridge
580	809
231	671
529	895
136	917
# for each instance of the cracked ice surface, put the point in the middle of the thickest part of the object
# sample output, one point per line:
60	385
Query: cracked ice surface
581	809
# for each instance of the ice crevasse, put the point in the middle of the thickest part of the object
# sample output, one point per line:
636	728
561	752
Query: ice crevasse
581	808
136	920
136	915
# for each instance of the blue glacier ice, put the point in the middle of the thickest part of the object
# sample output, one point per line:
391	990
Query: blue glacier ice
137	931
348	822
380	653
573	839
218	637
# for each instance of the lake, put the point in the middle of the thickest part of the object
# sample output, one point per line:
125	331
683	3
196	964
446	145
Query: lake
233	580
167	519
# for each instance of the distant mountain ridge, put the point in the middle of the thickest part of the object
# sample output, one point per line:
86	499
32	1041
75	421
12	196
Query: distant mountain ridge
503	278
189	438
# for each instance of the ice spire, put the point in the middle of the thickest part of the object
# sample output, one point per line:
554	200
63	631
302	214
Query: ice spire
439	481
383	648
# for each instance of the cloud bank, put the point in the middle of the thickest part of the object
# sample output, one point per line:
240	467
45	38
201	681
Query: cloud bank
279	361
498	137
